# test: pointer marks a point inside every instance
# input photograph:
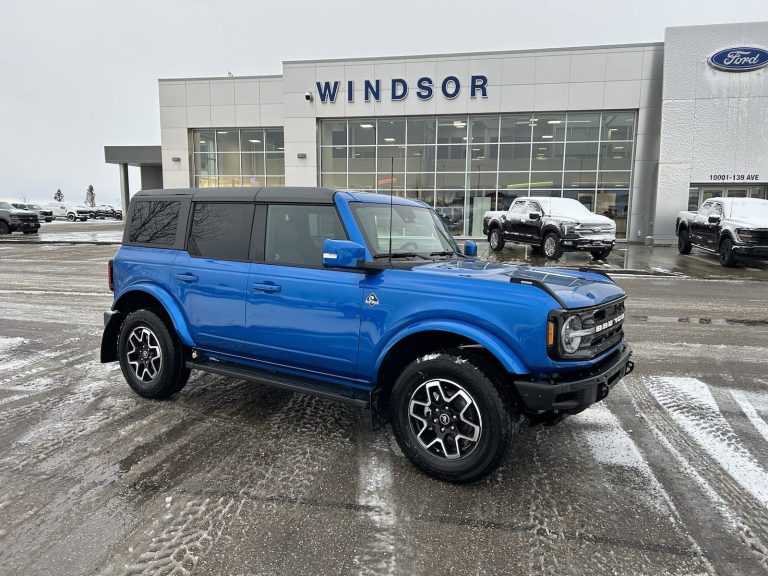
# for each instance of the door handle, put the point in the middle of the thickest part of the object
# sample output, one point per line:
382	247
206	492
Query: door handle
186	277
266	287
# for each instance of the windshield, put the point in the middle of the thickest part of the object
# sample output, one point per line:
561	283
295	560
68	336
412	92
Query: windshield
6	206
415	230
564	207
34	206
750	209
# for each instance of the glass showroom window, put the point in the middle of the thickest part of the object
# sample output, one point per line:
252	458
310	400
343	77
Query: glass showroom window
466	165
238	157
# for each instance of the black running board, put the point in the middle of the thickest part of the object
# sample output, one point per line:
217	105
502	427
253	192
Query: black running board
338	393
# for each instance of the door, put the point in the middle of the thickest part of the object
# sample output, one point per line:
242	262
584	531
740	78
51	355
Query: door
531	228
210	278
299	314
513	225
698	222
710	231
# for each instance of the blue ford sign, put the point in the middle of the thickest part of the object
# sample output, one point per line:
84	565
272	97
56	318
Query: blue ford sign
425	88
739	59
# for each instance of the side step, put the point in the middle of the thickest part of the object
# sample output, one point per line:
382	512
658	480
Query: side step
338	393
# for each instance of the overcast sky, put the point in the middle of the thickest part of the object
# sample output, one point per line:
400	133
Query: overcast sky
76	75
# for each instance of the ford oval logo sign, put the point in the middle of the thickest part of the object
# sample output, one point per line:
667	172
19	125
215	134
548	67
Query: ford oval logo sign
739	59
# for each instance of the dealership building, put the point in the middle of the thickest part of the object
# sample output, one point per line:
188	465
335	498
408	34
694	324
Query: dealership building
635	131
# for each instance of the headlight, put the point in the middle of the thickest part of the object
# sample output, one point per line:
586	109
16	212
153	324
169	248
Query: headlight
570	334
567	227
745	235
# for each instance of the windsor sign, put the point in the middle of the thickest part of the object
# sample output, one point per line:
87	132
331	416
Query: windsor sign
450	87
739	59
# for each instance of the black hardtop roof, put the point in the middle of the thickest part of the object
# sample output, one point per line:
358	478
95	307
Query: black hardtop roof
248	194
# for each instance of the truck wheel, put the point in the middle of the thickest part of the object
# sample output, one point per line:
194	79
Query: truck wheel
449	418
726	253
551	246
600	254
5	228
683	242
151	358
496	239
71	217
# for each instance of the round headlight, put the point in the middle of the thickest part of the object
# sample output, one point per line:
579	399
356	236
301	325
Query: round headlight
569	341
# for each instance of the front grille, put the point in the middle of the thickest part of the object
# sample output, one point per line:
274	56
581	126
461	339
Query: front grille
759	237
597	230
26	218
46	213
609	322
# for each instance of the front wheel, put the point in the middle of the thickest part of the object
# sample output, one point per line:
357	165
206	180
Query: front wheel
600	254
151	358
5	228
726	253
684	242
496	239
71	217
449	418
551	246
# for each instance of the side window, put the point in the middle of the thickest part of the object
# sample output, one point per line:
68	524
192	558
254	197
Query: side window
154	222
296	233
705	209
221	230
717	209
519	207
534	207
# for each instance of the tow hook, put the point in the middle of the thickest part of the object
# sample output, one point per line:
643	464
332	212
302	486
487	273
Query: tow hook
629	367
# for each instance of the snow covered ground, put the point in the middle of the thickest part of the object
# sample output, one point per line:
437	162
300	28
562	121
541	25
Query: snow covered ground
668	476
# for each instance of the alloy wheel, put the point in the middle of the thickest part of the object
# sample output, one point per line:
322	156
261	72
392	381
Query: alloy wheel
144	354
550	246
445	419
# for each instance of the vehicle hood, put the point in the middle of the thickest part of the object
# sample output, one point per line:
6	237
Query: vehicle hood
20	212
741	222
574	288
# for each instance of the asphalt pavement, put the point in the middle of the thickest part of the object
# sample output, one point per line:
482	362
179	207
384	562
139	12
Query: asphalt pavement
669	475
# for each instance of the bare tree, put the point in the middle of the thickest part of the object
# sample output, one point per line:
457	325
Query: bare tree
59	197
90	196
24	198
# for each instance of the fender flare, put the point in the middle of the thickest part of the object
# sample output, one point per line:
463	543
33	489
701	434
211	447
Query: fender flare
508	358
168	302
546	229
723	235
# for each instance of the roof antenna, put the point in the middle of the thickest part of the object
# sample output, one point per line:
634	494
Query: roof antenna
391	192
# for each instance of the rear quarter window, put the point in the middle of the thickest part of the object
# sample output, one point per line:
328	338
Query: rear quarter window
154	222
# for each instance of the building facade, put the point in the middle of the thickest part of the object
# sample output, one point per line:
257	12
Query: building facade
632	131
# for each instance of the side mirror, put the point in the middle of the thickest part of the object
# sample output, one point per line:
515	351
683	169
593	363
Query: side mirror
470	248
713	219
342	254
534	216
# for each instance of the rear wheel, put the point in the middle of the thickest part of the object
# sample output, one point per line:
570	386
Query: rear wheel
726	253
683	242
600	254
551	246
151	358
5	228
449	418
496	239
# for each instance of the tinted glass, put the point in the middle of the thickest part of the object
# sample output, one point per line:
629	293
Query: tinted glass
295	234
154	222
221	230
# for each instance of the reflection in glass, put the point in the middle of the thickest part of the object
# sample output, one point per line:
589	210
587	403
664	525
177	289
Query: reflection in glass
274	139
546	180
221	230
515	157
362	181
484	129
613	180
616	156
584	179
549	127
334	180
581	156
452	158
391	158
204	141
154	222
420	158
452	130
516	128
583	126
618	126
450	205
480	201
547	157
228	140
252	140
252	164
614	204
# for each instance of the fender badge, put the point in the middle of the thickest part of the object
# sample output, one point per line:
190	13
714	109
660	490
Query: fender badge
372	300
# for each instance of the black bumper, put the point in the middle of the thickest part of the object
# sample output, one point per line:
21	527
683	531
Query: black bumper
578	243
24	226
572	393
747	251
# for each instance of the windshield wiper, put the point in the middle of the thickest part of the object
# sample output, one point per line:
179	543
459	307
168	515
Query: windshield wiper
443	253
400	255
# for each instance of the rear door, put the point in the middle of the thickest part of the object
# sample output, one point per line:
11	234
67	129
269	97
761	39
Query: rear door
210	277
299	314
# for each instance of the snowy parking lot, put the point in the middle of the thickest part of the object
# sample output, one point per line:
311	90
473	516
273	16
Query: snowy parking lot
669	475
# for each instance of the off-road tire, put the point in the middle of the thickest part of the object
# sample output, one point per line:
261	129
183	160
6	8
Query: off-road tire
600	254
5	228
684	245
496	240
498	415
172	374
551	251
725	252
71	217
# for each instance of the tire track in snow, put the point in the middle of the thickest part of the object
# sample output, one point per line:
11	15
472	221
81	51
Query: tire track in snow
746	403
749	516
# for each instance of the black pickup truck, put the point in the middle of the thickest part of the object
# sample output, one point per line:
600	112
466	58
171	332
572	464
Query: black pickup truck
734	228
12	219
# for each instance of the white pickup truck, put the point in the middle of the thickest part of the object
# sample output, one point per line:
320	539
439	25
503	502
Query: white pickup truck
551	225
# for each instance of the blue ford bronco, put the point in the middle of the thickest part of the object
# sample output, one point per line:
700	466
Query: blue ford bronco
364	299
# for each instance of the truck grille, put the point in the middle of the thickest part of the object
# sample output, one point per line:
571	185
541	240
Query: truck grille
608	321
27	217
597	230
759	237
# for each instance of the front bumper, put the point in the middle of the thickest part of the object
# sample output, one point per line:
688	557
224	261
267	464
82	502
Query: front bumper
25	226
598	242
750	251
572	393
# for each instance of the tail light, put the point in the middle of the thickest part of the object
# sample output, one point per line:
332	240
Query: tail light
109	276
